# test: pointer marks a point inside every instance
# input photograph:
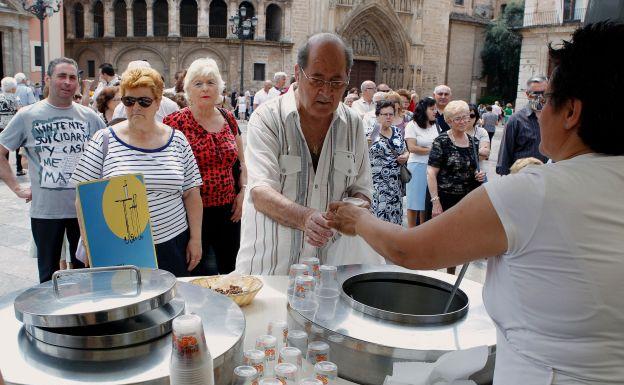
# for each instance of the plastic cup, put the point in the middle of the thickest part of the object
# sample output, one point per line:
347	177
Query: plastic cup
255	358
296	270
326	372
318	351
303	299
279	330
329	277
291	355
327	299
191	362
314	265
310	381
354	201
286	373
244	375
267	343
298	339
270	381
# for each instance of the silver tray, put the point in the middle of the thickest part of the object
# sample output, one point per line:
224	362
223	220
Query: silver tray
27	361
136	330
94	296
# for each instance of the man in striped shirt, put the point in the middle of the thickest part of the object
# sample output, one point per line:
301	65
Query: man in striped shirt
305	149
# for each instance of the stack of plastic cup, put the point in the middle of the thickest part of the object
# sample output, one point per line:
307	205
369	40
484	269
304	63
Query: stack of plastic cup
327	293
326	372
314	265
267	344
296	270
279	330
317	351
255	358
245	375
287	373
298	339
191	363
303	299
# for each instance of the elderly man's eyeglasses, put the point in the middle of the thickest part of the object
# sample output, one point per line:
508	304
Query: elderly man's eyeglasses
319	83
130	101
387	114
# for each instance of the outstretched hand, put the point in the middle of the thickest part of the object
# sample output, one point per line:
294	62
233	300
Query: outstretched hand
344	216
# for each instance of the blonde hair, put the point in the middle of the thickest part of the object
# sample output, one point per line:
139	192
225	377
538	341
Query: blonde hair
455	108
142	77
205	67
522	163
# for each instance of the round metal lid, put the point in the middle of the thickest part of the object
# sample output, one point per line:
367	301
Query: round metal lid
142	328
94	296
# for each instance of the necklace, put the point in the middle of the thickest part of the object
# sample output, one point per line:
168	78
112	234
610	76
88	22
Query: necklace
453	140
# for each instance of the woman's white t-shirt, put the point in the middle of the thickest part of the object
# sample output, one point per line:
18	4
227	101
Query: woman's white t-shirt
242	103
424	138
556	295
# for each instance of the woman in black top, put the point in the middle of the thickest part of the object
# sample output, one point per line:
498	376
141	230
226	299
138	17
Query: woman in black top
452	171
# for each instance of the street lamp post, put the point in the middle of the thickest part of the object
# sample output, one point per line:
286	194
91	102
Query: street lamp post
243	27
42	9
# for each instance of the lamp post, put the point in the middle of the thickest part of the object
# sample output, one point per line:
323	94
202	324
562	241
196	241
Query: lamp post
243	27
42	9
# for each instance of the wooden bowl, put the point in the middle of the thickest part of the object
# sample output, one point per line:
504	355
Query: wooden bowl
252	283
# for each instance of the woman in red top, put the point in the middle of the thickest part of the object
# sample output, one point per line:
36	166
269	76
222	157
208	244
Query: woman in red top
216	142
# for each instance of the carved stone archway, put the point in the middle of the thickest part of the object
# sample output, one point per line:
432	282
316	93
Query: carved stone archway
376	34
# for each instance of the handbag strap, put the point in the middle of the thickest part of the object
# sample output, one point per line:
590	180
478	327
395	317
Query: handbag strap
105	138
395	152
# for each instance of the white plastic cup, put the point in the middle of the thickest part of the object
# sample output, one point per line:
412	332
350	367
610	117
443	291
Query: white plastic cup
267	343
298	339
326	372
296	270
279	330
354	201
314	264
245	375
257	359
287	373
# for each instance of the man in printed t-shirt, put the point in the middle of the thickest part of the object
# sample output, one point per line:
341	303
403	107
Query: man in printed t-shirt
53	132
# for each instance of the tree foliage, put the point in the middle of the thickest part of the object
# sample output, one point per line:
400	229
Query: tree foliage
501	52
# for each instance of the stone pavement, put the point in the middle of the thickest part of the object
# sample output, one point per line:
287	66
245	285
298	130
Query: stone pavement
18	270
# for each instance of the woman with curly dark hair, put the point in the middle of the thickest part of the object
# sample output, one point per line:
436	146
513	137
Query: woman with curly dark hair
106	102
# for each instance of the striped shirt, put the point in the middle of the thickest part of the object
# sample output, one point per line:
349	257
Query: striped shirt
167	171
277	156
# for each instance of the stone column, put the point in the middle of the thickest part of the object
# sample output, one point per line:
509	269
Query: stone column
70	26
287	15
203	19
261	27
109	19
129	20
232	8
174	18
88	21
150	18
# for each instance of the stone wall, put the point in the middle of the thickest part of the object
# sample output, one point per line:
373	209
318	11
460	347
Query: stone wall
461	60
15	42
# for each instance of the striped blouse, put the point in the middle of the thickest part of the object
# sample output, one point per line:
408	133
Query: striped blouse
168	172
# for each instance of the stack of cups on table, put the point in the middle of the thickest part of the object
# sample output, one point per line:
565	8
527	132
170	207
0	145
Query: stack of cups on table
191	363
313	290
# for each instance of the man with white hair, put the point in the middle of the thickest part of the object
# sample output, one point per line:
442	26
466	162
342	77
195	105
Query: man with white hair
365	103
279	83
24	93
167	106
370	119
263	95
442	95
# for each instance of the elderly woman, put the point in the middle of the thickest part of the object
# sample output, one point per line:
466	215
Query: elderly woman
216	142
387	153
106	102
140	144
552	234
419	137
402	116
452	170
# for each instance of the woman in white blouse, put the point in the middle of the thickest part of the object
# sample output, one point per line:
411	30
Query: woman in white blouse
553	234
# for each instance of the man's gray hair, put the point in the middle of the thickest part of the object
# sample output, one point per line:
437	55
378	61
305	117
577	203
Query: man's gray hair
8	83
366	83
279	75
60	60
442	87
536	79
20	77
324	37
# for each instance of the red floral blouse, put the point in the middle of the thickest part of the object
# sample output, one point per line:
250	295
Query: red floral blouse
215	154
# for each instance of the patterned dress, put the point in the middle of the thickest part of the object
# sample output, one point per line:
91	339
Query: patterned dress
387	186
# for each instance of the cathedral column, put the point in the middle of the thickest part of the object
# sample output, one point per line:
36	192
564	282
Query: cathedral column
71	22
203	19
261	27
233	9
88	21
129	20
174	18
150	18
287	31
109	19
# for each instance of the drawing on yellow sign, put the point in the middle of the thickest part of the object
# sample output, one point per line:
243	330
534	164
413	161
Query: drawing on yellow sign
125	211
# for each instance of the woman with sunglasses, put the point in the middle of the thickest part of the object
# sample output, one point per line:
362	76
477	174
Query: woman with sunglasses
213	134
477	131
163	155
452	170
387	153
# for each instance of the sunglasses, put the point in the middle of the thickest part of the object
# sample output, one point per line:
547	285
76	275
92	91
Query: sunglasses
472	116
144	101
77	97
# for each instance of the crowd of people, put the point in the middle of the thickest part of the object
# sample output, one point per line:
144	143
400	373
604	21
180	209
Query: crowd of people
552	233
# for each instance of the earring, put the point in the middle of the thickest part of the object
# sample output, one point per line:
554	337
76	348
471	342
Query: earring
565	126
